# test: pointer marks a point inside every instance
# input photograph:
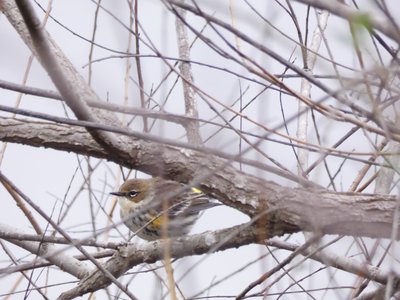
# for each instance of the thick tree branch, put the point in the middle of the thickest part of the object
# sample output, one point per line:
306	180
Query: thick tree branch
292	209
60	230
49	252
150	252
73	88
274	210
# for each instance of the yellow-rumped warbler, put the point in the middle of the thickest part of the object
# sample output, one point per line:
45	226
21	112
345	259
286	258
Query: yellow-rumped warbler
143	203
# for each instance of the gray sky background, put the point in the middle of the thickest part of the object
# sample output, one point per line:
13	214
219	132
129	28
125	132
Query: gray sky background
45	175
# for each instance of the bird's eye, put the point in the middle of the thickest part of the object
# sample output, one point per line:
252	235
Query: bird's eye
133	193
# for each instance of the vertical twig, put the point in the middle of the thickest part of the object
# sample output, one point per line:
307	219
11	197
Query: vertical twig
138	63
192	127
96	15
311	57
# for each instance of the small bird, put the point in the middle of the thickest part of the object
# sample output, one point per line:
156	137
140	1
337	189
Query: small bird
143	203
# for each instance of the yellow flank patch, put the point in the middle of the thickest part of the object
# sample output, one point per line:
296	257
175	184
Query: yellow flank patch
196	190
157	223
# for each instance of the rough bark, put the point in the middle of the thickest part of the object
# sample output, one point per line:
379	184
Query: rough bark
286	209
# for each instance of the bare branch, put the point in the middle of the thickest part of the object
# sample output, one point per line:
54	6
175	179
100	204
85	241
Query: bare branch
293	208
46	251
248	65
351	14
71	85
150	252
192	128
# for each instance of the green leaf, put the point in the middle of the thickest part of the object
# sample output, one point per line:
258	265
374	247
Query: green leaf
362	21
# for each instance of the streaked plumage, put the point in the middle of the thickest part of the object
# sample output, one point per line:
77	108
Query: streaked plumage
143	201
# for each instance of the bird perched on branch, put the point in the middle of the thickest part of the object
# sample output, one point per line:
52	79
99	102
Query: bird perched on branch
157	208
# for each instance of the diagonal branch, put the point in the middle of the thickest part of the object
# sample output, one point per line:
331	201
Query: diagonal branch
131	255
49	252
72	87
291	209
348	13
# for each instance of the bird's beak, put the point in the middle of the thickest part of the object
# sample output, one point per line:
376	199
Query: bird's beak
117	193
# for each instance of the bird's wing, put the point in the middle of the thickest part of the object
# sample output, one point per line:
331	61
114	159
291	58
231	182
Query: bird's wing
182	202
